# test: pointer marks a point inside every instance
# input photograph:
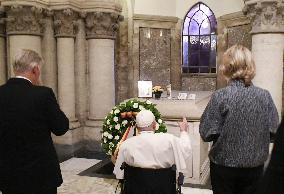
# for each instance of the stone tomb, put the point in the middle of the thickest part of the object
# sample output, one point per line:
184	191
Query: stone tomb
172	111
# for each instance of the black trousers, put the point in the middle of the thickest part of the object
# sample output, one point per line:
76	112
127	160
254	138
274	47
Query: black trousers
228	180
48	191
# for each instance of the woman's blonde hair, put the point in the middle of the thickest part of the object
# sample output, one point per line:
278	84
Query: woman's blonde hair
238	64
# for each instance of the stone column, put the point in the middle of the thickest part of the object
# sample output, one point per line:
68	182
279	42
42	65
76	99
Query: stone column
122	68
64	33
49	69
81	69
101	32
23	28
3	68
267	19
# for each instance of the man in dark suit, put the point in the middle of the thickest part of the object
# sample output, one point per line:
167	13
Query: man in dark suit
28	115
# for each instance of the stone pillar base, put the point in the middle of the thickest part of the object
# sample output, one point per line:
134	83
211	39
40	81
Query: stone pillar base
73	123
92	135
96	123
67	144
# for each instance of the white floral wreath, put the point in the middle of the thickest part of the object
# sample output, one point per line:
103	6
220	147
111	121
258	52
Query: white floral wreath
122	117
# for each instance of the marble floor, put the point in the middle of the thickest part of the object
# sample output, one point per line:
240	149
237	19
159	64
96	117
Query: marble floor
76	184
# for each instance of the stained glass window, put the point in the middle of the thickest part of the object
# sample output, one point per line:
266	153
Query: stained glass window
199	40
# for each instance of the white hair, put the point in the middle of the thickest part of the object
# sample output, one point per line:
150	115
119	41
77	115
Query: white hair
25	60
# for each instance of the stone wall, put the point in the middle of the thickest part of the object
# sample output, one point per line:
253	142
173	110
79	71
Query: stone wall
155	55
155	45
199	83
122	54
70	36
232	29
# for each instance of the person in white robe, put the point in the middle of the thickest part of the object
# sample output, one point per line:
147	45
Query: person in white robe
154	150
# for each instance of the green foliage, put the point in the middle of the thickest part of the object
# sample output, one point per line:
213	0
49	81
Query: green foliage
115	123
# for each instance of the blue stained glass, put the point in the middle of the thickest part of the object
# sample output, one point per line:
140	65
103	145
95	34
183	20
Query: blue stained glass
194	40
205	43
206	10
193	28
185	50
213	24
199	17
194	59
185	26
199	40
213	42
205	27
193	10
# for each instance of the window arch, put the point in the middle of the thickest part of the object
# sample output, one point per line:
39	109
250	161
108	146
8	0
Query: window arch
199	40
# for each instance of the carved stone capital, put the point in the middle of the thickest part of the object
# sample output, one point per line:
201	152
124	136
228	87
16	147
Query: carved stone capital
266	16
64	23
23	20
79	24
47	20
102	25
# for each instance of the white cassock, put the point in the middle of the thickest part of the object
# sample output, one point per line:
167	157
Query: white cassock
154	150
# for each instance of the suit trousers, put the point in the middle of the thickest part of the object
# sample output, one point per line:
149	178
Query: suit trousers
48	191
229	180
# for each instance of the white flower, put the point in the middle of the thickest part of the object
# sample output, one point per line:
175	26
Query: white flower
111	112
110	127
115	119
157	126
106	134
108	122
135	105
124	122
109	152
110	136
148	102
105	117
117	126
160	121
111	144
116	111
116	137
105	140
141	107
102	135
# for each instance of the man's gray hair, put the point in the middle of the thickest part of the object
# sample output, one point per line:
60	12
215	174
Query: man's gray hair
25	60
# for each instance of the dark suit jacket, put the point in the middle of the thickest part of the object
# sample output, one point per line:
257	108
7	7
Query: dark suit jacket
28	115
273	180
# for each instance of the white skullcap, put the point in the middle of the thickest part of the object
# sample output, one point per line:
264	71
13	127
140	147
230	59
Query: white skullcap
144	118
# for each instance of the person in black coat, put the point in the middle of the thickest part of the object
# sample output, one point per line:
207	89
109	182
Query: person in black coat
28	115
273	179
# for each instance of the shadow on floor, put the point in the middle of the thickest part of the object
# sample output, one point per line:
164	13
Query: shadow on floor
102	169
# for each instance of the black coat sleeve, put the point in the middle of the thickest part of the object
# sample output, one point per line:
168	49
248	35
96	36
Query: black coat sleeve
273	180
57	120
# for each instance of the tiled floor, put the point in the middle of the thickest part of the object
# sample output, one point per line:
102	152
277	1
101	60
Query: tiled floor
75	184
